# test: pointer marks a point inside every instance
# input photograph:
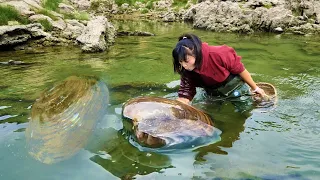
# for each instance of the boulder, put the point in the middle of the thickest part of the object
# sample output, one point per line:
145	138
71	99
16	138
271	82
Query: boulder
11	36
94	36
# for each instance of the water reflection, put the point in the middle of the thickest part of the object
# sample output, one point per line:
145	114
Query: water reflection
63	117
117	156
231	124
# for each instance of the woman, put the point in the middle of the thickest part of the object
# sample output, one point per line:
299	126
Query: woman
217	69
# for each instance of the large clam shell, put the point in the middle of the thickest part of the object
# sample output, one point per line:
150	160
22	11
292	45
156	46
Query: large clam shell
63	118
168	124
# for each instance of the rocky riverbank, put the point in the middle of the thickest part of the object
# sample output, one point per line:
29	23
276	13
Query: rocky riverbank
87	23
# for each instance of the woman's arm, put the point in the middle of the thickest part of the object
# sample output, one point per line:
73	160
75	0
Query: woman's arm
187	88
245	75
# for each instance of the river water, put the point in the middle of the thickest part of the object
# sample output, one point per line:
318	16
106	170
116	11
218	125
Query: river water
283	143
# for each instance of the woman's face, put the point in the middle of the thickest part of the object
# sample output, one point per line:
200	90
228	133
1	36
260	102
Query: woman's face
189	63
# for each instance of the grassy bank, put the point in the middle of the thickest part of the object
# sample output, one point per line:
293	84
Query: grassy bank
9	13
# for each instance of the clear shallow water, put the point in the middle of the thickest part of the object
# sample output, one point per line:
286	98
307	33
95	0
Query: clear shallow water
280	144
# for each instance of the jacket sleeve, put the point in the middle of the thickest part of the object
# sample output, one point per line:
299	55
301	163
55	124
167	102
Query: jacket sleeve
231	61
187	87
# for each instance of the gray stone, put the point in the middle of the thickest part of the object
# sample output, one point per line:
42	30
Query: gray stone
14	35
66	8
93	38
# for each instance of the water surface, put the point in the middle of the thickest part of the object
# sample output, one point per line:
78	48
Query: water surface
280	144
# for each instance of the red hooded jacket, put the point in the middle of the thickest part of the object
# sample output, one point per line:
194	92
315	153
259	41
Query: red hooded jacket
217	64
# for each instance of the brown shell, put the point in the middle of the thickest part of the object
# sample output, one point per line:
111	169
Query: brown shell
184	112
155	119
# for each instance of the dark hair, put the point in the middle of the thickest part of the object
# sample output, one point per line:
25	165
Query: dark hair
189	44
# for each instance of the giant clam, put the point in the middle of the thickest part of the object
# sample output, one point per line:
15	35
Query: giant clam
63	117
165	124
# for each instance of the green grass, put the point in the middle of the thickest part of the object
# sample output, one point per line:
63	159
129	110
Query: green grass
46	24
120	2
47	13
268	5
9	13
144	11
77	15
132	2
94	5
179	3
149	5
51	4
81	16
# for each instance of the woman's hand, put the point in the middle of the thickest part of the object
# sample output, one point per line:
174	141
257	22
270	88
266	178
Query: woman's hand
259	91
184	100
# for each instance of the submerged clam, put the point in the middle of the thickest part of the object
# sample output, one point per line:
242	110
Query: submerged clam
63	117
164	124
